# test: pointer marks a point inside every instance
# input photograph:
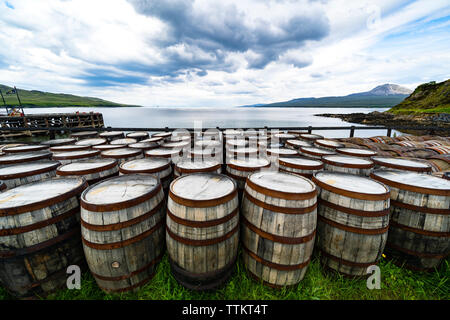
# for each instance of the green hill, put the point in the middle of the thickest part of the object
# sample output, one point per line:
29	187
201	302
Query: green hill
429	97
36	99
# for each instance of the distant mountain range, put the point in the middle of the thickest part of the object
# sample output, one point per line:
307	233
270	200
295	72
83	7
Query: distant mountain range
386	95
35	98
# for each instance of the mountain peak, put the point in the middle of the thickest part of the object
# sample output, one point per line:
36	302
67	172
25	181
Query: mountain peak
390	89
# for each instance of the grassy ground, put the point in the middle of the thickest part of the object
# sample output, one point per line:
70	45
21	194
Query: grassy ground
445	109
396	283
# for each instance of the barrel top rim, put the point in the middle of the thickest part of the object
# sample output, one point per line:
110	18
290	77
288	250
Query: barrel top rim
149	163
356	151
342	159
406	163
27	168
86	165
317	150
49	142
282	150
301	161
36	147
121	152
203	164
282	182
123	141
24	155
164	151
74	154
254	162
94	140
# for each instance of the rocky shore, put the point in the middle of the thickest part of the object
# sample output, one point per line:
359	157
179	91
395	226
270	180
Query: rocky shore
441	120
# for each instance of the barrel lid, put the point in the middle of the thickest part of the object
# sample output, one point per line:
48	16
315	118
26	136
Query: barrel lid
137	134
301	163
406	164
282	185
243	150
348	162
87	166
176	144
281	151
75	154
298	143
233	132
248	164
38	195
68	147
202	189
188	166
412	181
84	134
24	157
162	134
310	136
144	145
120	192
25	148
145	165
329	143
111	134
58	142
316	151
90	142
26	169
124	141
208	143
121	153
103	147
161	152
153	139
350	185
237	142
284	136
356	152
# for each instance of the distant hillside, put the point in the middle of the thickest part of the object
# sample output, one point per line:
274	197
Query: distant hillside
386	95
429	97
36	98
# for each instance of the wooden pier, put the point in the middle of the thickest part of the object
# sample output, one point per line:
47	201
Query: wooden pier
66	121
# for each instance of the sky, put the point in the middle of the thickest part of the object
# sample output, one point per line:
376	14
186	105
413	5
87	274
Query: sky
204	53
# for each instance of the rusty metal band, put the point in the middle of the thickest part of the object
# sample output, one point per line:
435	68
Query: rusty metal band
132	274
348	165
203	224
351	194
415	253
140	283
40	224
30	173
297	166
187	171
278	209
124	243
122	156
85	172
93	181
206	242
400	167
419	231
407	187
354	154
120	205
155	170
346	262
281	267
24	251
42	157
276	238
44	203
125	224
355	212
204	203
352	229
280	194
34	149
246	169
403	205
88	154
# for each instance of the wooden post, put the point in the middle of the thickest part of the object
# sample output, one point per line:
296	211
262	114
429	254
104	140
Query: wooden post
352	132
389	132
309	129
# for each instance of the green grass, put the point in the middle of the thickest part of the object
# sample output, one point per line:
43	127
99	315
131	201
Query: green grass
445	109
396	283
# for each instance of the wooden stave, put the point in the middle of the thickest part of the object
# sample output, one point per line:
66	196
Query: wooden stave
142	229
260	264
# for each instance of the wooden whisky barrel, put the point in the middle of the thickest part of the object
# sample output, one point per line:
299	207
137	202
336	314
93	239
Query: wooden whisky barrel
208	144
58	142
91	142
68	148
350	165
353	221
84	134
297	133
189	166
23	173
125	141
40	235
180	145
25	148
165	135
296	144
17	158
92	170
278	226
301	166
236	143
144	146
352	152
157	140
314	152
122	154
273	154
202	232
73	156
173	154
208	154
328	144
112	135
310	137
139	136
419	228
104	147
401	164
242	153
382	139
240	169
440	150
283	137
122	220
158	167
